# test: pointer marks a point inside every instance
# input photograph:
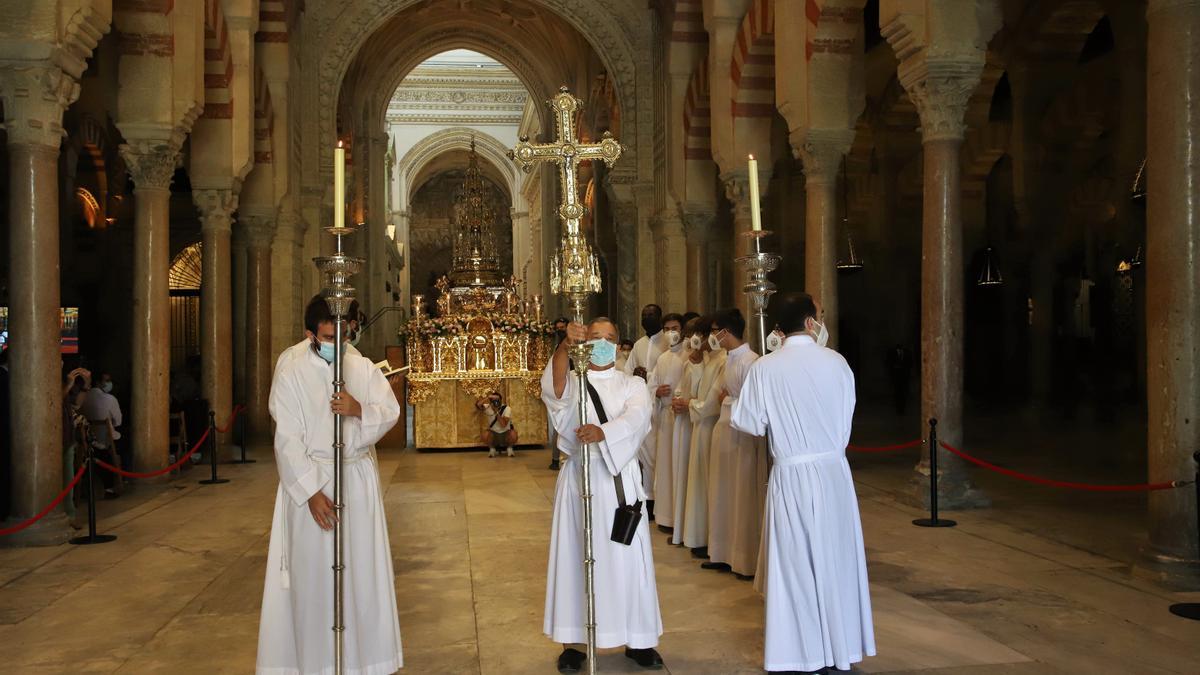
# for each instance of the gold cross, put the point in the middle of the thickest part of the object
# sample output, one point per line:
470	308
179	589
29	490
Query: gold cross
567	152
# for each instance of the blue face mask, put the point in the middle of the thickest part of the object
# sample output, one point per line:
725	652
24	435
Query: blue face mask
106	387
603	352
326	350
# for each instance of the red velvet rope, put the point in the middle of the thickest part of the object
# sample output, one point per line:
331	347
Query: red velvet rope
886	448
232	416
131	474
1139	487
49	507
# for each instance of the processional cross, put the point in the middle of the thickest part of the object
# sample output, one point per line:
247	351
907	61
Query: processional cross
575	274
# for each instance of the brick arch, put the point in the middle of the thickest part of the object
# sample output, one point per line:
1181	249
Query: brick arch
752	69
697	116
218	64
264	121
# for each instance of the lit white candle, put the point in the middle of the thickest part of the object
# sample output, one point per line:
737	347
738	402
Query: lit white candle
755	215
339	185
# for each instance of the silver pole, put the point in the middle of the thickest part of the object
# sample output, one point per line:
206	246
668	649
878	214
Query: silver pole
339	295
581	357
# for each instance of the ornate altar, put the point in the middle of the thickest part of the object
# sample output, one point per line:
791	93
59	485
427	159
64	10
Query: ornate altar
485	337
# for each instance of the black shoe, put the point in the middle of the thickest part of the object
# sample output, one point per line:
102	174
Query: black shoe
646	658
701	553
571	660
744	577
666	528
650	508
720	567
554	465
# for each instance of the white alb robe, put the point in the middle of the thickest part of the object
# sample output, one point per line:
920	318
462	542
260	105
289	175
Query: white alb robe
818	601
681	447
728	448
645	354
667	371
627	610
704	411
294	634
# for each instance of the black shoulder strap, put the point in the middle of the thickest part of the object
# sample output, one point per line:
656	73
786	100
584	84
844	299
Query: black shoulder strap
603	417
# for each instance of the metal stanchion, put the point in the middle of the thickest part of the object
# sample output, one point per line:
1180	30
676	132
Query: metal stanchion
1191	610
212	451
933	520
92	537
241	422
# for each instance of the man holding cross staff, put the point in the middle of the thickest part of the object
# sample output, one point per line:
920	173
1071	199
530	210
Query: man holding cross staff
600	536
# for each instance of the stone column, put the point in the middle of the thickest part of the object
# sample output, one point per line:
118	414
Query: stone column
822	152
34	100
151	165
259	232
287	296
670	263
697	227
1173	271
940	92
216	207
737	190
238	244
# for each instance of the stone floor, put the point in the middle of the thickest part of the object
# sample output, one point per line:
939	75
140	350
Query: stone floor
179	590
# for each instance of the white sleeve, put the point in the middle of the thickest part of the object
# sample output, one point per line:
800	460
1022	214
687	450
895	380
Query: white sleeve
115	412
750	411
300	476
562	410
380	410
623	434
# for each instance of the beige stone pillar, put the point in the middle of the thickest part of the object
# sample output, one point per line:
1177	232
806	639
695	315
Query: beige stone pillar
238	245
259	232
941	101
697	227
737	190
34	100
151	165
287	296
1173	271
822	152
216	207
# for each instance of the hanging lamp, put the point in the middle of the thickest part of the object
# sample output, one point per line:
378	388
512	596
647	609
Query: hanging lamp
852	263
990	274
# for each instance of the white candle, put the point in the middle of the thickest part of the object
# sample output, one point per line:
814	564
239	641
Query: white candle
755	216
339	185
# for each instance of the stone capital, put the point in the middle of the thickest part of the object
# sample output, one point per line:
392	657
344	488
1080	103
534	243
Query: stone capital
822	151
737	184
698	225
940	92
35	96
216	207
260	230
151	163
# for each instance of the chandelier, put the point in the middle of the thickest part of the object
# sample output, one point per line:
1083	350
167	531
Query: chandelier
475	260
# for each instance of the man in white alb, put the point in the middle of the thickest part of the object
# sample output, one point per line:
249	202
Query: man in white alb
664	377
818	602
295	636
639	364
681	435
627	611
704	411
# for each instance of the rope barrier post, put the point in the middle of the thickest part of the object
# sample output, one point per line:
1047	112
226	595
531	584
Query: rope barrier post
92	537
933	520
212	451
1191	610
242	440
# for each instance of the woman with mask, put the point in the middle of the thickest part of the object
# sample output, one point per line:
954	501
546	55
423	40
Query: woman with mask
664	378
703	411
681	436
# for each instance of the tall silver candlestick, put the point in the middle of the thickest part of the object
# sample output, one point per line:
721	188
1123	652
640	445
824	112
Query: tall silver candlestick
758	264
339	295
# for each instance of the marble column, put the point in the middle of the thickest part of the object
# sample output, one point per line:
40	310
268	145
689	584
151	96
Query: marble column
941	101
697	227
216	207
737	190
822	152
34	100
259	232
288	301
239	244
1173	271
151	165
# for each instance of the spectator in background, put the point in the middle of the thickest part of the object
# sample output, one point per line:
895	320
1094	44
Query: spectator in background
899	366
5	438
560	334
103	413
499	418
75	385
623	351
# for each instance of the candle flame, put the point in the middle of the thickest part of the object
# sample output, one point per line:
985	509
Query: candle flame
751	156
341	144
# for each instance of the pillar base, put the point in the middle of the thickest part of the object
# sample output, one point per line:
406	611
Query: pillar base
1174	573
53	530
953	493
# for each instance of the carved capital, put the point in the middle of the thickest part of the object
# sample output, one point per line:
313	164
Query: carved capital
698	225
941	94
216	207
260	230
151	164
35	97
822	151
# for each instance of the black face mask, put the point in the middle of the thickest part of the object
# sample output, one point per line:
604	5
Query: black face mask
651	324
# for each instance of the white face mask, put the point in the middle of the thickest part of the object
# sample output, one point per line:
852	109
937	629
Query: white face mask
774	341
694	342
713	343
821	334
673	337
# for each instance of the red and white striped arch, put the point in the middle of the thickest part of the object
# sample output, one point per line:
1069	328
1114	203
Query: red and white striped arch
687	22
218	64
272	21
264	121
752	70
833	25
697	116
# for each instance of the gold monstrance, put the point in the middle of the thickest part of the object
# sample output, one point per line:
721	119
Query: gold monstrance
574	273
476	262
